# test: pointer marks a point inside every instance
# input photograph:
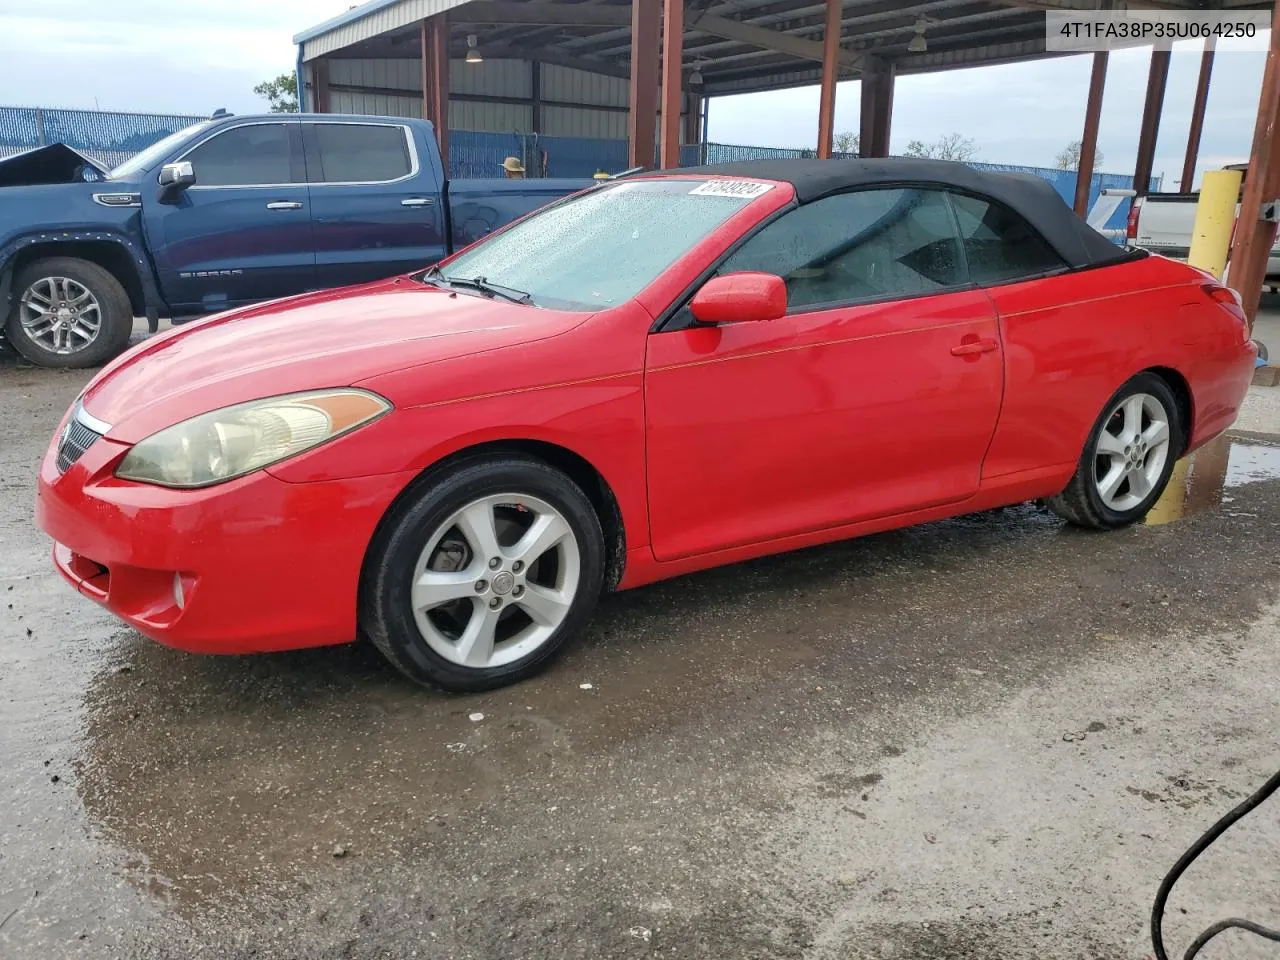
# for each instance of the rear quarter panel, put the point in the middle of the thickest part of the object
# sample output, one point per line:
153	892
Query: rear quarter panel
1072	340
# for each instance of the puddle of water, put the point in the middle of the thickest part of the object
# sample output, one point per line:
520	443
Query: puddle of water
1199	482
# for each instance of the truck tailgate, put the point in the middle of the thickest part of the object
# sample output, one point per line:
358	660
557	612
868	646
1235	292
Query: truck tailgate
1165	223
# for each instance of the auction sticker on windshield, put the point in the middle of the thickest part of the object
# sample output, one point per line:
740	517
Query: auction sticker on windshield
741	189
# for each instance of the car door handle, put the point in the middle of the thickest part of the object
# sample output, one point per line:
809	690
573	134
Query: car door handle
977	346
285	205
417	202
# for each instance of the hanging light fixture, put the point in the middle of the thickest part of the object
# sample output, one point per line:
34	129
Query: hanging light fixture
473	53
695	78
918	43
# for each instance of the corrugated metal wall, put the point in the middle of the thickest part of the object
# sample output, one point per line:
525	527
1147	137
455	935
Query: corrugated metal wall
575	103
492	78
583	90
579	86
377	104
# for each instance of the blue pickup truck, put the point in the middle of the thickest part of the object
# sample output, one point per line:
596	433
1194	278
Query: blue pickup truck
227	212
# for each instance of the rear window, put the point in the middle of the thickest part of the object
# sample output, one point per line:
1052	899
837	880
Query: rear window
357	153
601	248
999	244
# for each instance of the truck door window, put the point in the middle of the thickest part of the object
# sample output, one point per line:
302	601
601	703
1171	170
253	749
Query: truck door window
257	154
358	153
999	244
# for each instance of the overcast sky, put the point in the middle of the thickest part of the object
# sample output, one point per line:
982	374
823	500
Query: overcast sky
192	56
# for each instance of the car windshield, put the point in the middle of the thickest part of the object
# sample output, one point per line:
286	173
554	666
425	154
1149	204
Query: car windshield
140	161
603	247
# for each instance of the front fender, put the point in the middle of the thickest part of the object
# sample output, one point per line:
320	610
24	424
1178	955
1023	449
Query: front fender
67	220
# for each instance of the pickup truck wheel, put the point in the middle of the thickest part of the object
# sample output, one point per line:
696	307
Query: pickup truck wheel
484	575
1128	458
68	313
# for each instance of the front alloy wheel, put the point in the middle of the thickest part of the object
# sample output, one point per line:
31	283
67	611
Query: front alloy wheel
481	572
495	580
60	315
67	312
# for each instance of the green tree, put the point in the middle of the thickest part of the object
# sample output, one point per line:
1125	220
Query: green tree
951	147
1069	158
281	93
846	142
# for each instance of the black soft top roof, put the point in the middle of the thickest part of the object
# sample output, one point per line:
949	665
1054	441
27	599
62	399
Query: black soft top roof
1034	198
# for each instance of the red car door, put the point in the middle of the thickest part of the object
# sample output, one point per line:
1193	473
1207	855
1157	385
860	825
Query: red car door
877	394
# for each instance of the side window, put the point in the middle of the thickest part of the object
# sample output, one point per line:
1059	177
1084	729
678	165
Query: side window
257	154
999	244
358	153
869	244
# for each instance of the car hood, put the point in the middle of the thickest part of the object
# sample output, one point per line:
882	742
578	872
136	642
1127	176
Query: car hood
328	339
55	163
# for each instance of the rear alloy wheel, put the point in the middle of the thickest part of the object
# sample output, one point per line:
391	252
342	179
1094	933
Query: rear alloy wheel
1128	460
68	313
482	578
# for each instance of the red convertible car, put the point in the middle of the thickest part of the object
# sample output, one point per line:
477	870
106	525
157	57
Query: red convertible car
661	374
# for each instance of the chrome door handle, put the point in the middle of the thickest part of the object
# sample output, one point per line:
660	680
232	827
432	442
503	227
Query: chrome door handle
284	205
417	202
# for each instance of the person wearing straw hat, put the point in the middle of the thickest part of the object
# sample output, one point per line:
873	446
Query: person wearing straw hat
514	168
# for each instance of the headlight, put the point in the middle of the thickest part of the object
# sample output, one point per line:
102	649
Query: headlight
233	441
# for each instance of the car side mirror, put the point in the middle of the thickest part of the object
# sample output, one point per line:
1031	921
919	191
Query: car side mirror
740	298
174	179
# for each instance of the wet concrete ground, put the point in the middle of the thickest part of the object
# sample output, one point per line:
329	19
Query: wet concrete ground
987	737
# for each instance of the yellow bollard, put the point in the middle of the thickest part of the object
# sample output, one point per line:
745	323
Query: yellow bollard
1215	218
1170	505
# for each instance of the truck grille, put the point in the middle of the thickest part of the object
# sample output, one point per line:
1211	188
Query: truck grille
75	440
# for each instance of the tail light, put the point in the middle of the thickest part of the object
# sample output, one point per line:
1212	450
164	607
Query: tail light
1131	227
1231	301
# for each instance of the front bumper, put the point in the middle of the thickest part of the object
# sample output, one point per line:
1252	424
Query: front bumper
252	565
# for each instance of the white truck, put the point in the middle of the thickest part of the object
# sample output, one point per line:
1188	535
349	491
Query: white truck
1163	223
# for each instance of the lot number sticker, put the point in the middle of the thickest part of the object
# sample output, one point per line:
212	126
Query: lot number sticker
740	189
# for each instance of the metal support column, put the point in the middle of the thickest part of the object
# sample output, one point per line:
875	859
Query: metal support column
1251	246
1089	142
535	94
830	74
706	122
672	92
434	43
692	118
1197	117
877	108
642	120
1157	76
320	70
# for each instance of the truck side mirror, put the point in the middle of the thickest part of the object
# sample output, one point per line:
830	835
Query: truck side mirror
174	179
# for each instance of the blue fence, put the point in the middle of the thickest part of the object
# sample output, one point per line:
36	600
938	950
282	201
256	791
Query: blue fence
112	138
109	138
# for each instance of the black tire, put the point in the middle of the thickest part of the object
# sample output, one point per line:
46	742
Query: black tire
115	328
385	611
1081	503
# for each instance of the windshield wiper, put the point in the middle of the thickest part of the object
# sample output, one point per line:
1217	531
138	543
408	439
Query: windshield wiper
483	285
431	275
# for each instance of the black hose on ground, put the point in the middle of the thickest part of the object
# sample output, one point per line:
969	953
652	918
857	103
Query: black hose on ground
1184	861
